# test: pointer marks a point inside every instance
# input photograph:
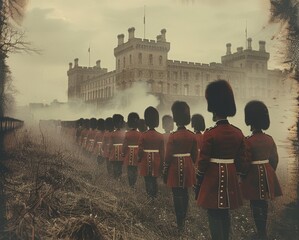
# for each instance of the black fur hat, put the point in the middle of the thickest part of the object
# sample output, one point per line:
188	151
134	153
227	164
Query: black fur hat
167	123
133	120
181	113
198	122
79	122
109	124
257	115
93	123
220	97
86	123
151	116
118	121
101	124
142	125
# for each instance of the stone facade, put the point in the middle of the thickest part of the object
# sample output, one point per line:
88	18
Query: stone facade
143	60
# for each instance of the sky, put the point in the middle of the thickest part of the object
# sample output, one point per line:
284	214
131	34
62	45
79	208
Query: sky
197	30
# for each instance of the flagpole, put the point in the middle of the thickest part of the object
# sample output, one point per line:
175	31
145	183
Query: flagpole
89	56
144	23
246	36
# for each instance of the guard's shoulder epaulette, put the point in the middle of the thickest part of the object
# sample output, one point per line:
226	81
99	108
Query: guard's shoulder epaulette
210	128
236	127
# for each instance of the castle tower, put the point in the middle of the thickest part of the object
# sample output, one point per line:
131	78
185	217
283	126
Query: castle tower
142	60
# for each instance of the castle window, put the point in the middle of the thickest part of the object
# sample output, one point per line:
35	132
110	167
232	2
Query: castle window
124	61
160	87
160	60
186	76
207	77
256	67
130	59
160	74
140	58
241	65
139	73
168	88
118	63
150	59
175	88
197	90
175	75
186	90
151	74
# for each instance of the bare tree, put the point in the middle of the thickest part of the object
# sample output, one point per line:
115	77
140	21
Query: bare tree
11	40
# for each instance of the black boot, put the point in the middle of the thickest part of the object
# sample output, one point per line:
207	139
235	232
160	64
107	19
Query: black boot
260	219
179	212
218	224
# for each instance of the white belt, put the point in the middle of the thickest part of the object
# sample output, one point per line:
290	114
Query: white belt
182	155
99	142
133	146
151	150
260	162
117	144
222	161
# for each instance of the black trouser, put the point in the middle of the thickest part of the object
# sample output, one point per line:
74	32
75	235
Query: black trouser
132	175
259	210
180	201
219	223
117	168
151	186
109	167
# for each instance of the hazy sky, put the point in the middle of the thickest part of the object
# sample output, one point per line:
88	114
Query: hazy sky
198	31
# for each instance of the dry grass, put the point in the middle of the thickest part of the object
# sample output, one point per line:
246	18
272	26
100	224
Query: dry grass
55	192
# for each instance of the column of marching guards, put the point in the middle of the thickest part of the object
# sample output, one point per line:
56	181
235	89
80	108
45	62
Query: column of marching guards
219	163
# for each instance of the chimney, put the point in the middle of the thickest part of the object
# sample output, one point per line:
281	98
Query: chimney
98	63
240	49
131	33
76	61
159	38
163	35
228	48
249	47
120	38
70	65
262	45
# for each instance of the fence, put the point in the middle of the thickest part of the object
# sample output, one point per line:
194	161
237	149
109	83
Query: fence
7	124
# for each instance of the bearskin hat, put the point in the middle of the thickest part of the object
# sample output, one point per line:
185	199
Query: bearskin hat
167	123
118	121
181	113
109	124
86	123
220	98
79	122
198	122
257	115
101	124
133	120
142	125
151	116
93	123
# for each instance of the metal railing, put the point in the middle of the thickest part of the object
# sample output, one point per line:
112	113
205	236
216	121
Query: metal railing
9	124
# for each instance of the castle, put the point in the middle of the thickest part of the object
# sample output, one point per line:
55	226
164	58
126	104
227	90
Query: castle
143	60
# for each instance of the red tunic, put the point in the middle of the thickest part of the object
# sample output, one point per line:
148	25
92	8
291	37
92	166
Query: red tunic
181	153
98	143
261	181
199	139
115	145
91	140
220	187
151	153
84	135
130	147
105	144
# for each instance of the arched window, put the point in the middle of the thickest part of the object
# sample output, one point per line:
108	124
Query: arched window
150	59
160	60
